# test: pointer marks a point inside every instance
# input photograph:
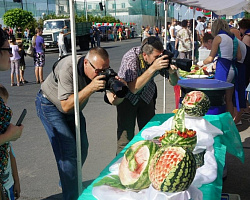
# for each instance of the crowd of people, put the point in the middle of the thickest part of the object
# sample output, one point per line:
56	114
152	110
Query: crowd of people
139	66
229	45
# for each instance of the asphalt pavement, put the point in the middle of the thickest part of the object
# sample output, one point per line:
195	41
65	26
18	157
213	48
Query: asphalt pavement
35	160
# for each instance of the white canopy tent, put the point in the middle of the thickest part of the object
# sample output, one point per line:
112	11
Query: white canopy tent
220	7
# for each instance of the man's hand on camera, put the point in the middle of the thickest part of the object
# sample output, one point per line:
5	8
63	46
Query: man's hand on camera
160	63
98	83
172	69
122	80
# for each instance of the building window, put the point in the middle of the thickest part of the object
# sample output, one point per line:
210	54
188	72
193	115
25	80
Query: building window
113	6
89	7
61	8
97	7
123	5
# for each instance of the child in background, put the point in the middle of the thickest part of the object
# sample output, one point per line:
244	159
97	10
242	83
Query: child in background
9	178
22	62
15	63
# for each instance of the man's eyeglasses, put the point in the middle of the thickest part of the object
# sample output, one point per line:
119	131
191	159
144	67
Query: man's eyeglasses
7	49
97	71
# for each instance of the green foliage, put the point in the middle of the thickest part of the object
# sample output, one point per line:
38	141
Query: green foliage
54	16
82	18
18	18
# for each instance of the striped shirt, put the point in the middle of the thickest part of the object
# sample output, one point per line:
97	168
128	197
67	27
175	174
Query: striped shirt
130	70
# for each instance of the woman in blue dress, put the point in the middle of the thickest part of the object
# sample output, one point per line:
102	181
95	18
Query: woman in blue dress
225	46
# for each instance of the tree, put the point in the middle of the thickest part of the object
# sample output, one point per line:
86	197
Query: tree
17	18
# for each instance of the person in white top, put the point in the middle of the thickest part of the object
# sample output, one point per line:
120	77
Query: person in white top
15	62
200	26
178	26
223	45
61	44
173	33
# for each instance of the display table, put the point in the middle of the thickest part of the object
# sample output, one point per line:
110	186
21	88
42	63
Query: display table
230	141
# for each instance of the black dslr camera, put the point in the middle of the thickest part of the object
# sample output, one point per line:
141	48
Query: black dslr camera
114	85
183	64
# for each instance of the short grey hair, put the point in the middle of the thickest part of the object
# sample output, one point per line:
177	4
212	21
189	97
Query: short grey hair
151	43
98	51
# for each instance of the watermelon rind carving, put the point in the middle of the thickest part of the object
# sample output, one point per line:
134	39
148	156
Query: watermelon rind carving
196	103
133	170
173	139
172	169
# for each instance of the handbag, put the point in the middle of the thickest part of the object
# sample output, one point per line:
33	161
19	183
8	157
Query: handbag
30	51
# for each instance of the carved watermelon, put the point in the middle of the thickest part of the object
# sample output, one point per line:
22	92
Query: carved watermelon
187	139
133	170
196	103
172	169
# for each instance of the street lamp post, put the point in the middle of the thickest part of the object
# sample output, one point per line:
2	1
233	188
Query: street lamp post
86	10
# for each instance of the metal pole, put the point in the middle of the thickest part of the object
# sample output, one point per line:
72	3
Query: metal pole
165	47
105	7
4	5
193	36
211	19
47	7
86	10
76	99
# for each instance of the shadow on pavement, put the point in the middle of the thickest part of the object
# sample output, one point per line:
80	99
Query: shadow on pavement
54	197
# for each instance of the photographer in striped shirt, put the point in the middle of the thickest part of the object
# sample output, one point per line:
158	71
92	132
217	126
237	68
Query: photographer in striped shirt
138	68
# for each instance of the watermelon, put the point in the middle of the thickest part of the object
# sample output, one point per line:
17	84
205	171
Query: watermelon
187	139
172	169
196	103
133	170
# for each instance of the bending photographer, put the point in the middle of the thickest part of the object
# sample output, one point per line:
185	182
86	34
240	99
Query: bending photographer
138	68
55	108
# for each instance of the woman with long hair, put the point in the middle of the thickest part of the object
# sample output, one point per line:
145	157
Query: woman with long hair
225	46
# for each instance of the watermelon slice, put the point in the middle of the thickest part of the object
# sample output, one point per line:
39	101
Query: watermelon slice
133	170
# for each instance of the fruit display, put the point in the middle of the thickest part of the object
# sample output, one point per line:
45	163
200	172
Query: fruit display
133	170
195	70
172	169
187	138
196	103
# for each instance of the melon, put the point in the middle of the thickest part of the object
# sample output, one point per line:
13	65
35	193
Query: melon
196	103
133	170
187	138
172	169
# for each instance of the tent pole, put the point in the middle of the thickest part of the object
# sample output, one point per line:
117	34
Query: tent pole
76	99
193	56
211	19
165	47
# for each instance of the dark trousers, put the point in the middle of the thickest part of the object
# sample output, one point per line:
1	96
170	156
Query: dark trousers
127	114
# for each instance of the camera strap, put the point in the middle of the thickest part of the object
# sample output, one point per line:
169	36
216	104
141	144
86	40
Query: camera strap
142	63
79	64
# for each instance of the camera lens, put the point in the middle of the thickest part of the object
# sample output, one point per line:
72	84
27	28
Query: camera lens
118	87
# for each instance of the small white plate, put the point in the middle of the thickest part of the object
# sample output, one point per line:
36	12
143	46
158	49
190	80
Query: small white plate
196	76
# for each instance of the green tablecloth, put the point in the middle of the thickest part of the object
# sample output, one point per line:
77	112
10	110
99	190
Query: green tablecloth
230	141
